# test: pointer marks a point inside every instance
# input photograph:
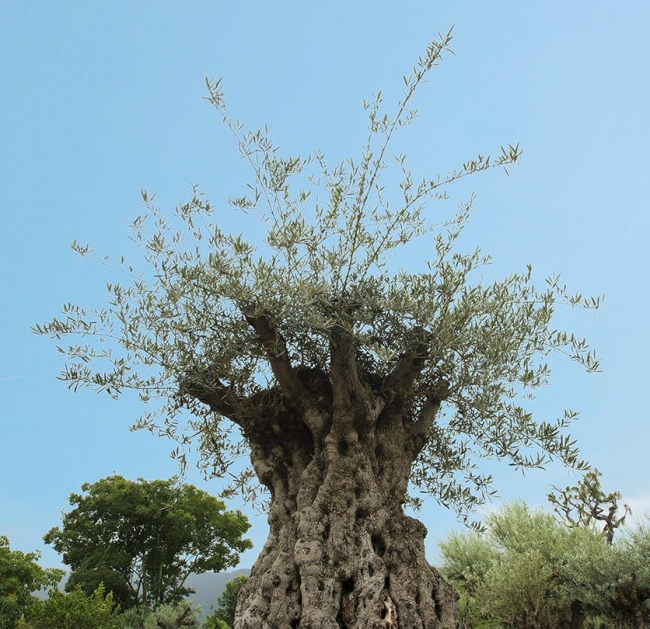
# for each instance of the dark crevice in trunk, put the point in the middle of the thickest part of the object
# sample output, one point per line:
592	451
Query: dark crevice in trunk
378	545
346	603
436	607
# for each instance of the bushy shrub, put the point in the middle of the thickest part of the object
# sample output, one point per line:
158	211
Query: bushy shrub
76	611
20	575
214	622
183	615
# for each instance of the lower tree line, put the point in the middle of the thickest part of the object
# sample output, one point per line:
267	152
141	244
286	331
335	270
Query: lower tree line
131	545
21	609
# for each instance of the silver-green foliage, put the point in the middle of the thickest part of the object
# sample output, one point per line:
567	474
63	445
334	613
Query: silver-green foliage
328	260
177	615
173	616
523	571
527	569
613	580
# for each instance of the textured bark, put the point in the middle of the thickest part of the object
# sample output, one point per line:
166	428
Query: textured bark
344	556
335	450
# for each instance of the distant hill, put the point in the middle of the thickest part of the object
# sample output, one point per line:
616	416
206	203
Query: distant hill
209	586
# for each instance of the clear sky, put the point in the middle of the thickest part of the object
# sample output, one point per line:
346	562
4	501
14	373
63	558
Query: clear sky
100	99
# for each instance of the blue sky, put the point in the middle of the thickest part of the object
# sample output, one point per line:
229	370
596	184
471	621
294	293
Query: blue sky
101	99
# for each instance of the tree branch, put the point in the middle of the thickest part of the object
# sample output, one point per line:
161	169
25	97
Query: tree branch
408	367
277	354
214	393
347	388
419	430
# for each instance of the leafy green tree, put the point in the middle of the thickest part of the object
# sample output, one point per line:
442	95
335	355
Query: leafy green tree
214	622
20	577
344	377
76	610
521	573
226	603
142	539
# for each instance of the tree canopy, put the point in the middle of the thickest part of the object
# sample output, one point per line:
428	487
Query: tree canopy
345	376
142	539
213	320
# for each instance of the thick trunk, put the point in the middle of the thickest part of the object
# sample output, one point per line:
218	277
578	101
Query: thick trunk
578	615
341	553
335	449
571	618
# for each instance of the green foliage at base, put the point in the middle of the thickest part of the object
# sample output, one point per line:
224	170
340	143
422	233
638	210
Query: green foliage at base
214	622
528	570
181	615
76	611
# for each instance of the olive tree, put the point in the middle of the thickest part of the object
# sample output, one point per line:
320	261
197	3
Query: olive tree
613	580
526	571
587	503
343	376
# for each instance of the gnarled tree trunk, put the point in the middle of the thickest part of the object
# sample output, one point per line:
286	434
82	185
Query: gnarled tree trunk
344	555
335	450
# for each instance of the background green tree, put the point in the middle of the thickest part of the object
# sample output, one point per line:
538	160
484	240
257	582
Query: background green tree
143	538
20	577
343	375
226	604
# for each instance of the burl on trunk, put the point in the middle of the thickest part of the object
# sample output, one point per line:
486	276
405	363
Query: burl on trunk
335	450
